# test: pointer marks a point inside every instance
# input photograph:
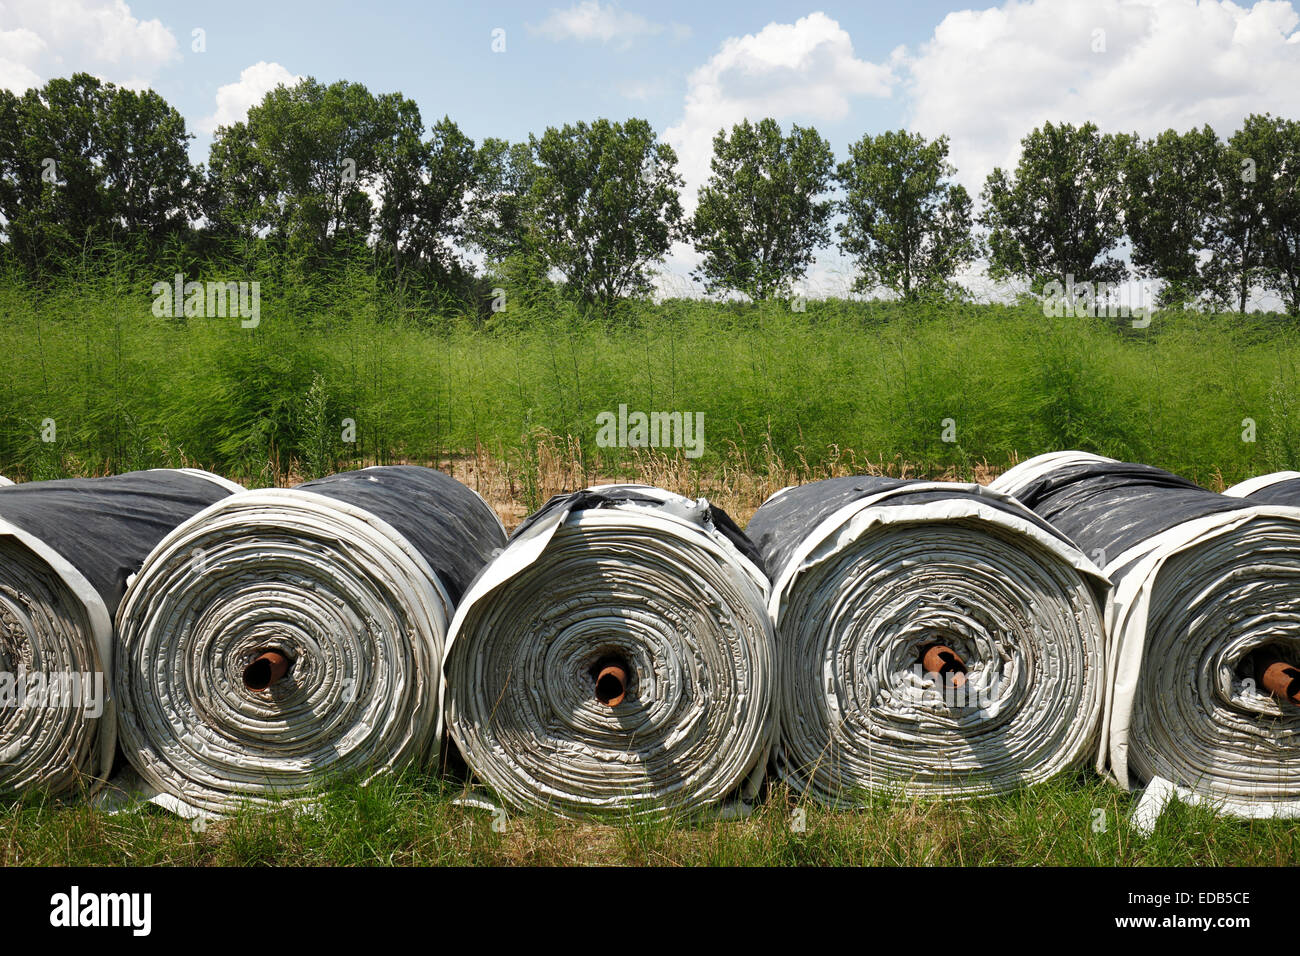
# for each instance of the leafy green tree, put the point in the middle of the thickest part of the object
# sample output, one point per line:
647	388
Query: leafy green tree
401	157
760	219
500	215
239	186
604	206
1169	200
906	225
152	187
82	160
331	166
1254	229
425	188
1282	214
300	164
501	220
1236	238
1061	214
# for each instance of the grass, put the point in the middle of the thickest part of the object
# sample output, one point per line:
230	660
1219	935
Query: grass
861	382
408	820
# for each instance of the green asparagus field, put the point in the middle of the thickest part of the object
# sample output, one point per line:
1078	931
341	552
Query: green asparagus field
92	382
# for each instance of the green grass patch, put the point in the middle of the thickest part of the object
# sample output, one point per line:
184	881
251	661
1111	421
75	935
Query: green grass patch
406	819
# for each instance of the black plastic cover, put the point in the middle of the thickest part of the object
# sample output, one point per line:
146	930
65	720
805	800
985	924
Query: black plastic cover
1115	505
615	495
1279	493
106	527
783	522
451	526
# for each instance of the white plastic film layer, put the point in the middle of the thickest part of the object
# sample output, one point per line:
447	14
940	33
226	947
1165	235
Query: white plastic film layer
1189	608
354	607
876	583
654	585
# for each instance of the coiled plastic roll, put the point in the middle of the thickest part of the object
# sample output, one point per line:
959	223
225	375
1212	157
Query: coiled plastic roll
616	658
1275	488
287	637
870	575
1206	594
66	550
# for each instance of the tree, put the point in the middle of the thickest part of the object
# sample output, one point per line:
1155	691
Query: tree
81	159
401	158
759	219
500	215
1254	229
604	206
424	189
151	186
1169	198
299	166
1236	236
1282	214
906	226
501	218
319	166
1062	213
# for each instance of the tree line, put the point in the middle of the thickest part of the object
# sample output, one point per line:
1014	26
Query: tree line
320	171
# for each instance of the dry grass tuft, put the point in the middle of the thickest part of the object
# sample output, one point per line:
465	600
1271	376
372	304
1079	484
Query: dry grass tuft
517	485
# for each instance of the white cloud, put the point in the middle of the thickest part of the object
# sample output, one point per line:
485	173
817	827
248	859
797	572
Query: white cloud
235	99
799	71
589	20
986	78
40	39
18	48
21	45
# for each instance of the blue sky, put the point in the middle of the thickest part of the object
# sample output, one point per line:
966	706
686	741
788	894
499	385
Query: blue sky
982	74
441	56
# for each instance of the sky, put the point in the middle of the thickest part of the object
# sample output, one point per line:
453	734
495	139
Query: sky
985	76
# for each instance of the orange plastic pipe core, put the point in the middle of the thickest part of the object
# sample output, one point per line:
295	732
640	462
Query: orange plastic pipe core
265	670
943	660
611	685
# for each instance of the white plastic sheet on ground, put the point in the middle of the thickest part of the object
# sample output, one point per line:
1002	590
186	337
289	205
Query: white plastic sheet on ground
66	547
892	569
632	573
1190	604
355	606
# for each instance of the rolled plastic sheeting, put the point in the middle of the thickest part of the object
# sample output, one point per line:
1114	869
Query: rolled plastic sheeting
352	580
868	573
1276	488
1204	587
67	548
665	589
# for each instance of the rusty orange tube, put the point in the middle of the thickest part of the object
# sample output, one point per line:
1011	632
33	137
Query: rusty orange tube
1282	680
943	660
611	685
265	670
